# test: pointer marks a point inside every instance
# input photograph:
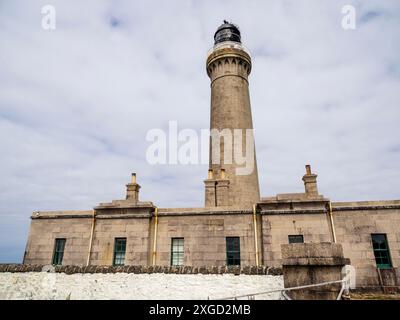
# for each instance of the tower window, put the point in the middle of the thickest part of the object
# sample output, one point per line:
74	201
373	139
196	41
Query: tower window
119	251
298	238
381	251
233	251
177	251
58	251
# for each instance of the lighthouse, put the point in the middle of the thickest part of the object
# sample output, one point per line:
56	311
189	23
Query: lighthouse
232	140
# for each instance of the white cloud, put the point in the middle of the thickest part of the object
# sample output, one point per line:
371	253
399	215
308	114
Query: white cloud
76	103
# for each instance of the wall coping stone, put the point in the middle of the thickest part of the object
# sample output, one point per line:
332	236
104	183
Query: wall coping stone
367	207
137	269
312	250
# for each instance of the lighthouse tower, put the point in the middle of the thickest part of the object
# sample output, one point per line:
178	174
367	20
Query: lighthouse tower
228	66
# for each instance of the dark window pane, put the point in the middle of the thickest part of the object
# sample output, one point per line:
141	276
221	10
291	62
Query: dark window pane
381	251
232	251
296	238
119	251
58	251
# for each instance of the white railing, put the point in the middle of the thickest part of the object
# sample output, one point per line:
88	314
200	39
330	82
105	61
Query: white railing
228	44
251	296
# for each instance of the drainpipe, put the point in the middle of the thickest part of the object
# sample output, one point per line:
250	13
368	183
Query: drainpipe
155	236
255	233
332	224
91	238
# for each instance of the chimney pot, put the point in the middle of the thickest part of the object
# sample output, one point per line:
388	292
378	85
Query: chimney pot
308	169
222	173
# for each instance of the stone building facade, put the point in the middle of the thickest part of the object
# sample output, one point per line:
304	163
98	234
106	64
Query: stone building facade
235	226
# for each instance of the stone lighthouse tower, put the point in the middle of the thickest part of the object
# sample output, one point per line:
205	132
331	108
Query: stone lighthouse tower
231	142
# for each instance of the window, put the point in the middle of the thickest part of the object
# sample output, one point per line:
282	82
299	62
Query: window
177	251
381	251
58	251
233	251
119	251
298	238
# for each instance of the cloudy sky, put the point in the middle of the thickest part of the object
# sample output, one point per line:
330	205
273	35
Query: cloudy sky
76	102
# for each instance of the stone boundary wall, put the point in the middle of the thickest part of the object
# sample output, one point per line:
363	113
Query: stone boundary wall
248	270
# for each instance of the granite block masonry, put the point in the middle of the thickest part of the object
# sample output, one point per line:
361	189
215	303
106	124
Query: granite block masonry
311	264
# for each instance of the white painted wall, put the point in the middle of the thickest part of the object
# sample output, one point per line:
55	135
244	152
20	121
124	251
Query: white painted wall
41	285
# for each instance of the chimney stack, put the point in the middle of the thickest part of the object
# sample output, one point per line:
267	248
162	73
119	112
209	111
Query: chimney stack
210	188
310	183
132	189
217	190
